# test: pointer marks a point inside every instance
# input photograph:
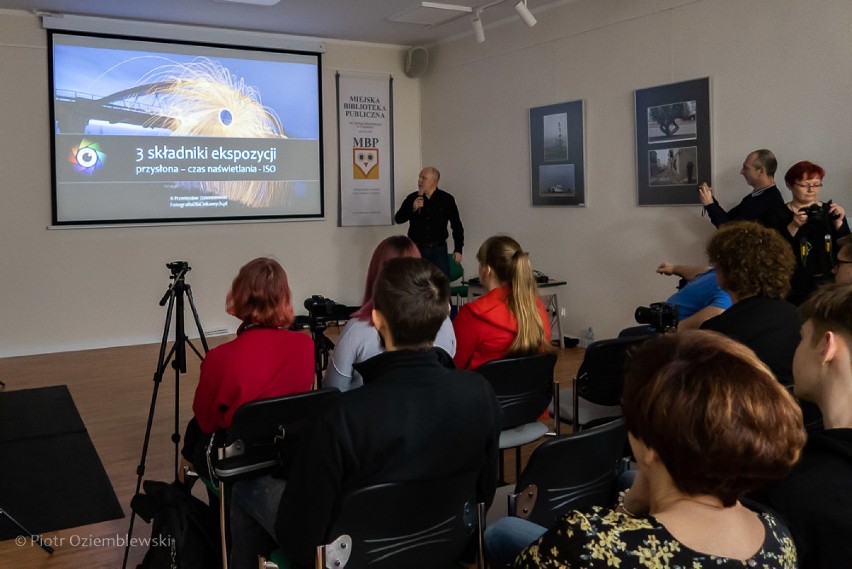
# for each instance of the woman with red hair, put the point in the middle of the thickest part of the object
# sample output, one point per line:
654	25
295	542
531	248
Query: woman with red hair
264	360
811	227
359	340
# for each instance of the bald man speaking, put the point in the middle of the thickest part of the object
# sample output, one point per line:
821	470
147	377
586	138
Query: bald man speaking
428	211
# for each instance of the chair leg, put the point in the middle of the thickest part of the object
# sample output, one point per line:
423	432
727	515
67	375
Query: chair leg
480	535
576	421
517	465
222	531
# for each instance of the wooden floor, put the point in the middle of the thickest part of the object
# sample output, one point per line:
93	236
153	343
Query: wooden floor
113	389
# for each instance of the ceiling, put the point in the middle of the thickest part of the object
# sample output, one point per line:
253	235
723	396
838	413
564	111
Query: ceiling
356	20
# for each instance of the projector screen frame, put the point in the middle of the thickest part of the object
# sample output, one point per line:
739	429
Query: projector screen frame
247	53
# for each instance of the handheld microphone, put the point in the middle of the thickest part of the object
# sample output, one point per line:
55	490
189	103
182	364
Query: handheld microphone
420	196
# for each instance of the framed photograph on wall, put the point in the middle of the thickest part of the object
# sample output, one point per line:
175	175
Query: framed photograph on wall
673	142
557	159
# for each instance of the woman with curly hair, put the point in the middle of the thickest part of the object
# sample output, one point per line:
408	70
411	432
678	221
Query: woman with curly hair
707	422
754	265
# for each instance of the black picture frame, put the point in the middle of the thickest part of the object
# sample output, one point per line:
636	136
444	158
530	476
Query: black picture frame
673	142
557	155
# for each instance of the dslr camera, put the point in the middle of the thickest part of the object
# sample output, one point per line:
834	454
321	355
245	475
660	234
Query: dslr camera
660	316
814	212
320	308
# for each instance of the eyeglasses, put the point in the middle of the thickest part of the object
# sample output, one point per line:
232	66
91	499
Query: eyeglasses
813	186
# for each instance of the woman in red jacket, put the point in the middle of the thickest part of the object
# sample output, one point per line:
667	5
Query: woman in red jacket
510	320
264	360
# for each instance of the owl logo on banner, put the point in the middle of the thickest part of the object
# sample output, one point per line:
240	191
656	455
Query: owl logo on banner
365	163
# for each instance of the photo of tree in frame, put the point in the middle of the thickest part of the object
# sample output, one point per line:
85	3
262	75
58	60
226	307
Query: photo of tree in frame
672	142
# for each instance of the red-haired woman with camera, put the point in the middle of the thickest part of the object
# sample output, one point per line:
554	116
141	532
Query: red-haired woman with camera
811	227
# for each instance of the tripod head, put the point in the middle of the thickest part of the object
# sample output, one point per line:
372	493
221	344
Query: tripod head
179	270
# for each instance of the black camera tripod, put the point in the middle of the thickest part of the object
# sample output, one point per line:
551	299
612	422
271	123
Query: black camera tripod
322	346
174	295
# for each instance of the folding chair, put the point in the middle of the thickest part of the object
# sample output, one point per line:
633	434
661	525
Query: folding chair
596	391
416	525
524	388
263	437
570	472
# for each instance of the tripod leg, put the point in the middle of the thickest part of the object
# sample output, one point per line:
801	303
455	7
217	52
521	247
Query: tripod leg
35	538
197	323
162	364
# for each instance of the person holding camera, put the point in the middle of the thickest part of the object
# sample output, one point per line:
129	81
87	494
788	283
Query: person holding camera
360	340
759	173
811	227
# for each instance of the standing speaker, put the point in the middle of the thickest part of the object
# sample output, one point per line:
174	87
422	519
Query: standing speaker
416	61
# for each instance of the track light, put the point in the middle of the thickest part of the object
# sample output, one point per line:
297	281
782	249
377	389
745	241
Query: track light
478	30
524	13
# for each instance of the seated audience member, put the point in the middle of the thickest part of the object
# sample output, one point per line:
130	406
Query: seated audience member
843	268
359	340
414	419
811	228
707	421
816	497
754	264
264	360
510	319
699	299
759	173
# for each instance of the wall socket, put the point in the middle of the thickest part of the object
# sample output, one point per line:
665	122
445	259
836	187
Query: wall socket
216	332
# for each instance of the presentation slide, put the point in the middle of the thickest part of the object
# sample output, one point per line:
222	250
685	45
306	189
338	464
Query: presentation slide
153	132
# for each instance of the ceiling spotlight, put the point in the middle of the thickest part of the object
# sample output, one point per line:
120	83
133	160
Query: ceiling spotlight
524	13
476	21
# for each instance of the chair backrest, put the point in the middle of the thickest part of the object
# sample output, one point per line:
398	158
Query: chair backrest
570	472
600	378
421	524
456	269
265	433
523	385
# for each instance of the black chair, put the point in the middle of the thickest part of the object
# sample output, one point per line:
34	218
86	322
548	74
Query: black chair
596	391
263	438
524	388
265	433
416	525
570	472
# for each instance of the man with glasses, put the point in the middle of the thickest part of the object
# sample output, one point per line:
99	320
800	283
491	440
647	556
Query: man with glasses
759	173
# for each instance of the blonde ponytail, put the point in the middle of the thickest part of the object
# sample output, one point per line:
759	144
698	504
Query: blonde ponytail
511	265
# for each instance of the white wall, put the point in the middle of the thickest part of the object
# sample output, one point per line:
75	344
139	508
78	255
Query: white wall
781	78
84	288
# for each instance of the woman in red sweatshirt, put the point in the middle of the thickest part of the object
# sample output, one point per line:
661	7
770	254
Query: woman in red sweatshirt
510	320
266	359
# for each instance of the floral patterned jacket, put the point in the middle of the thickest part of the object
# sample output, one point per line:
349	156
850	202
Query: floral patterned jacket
604	538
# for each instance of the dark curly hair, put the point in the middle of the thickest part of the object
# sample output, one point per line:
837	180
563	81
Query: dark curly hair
751	260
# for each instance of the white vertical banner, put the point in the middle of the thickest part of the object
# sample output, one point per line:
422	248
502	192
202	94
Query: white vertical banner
365	138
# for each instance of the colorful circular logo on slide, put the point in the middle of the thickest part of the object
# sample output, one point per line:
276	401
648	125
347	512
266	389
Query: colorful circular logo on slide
87	157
